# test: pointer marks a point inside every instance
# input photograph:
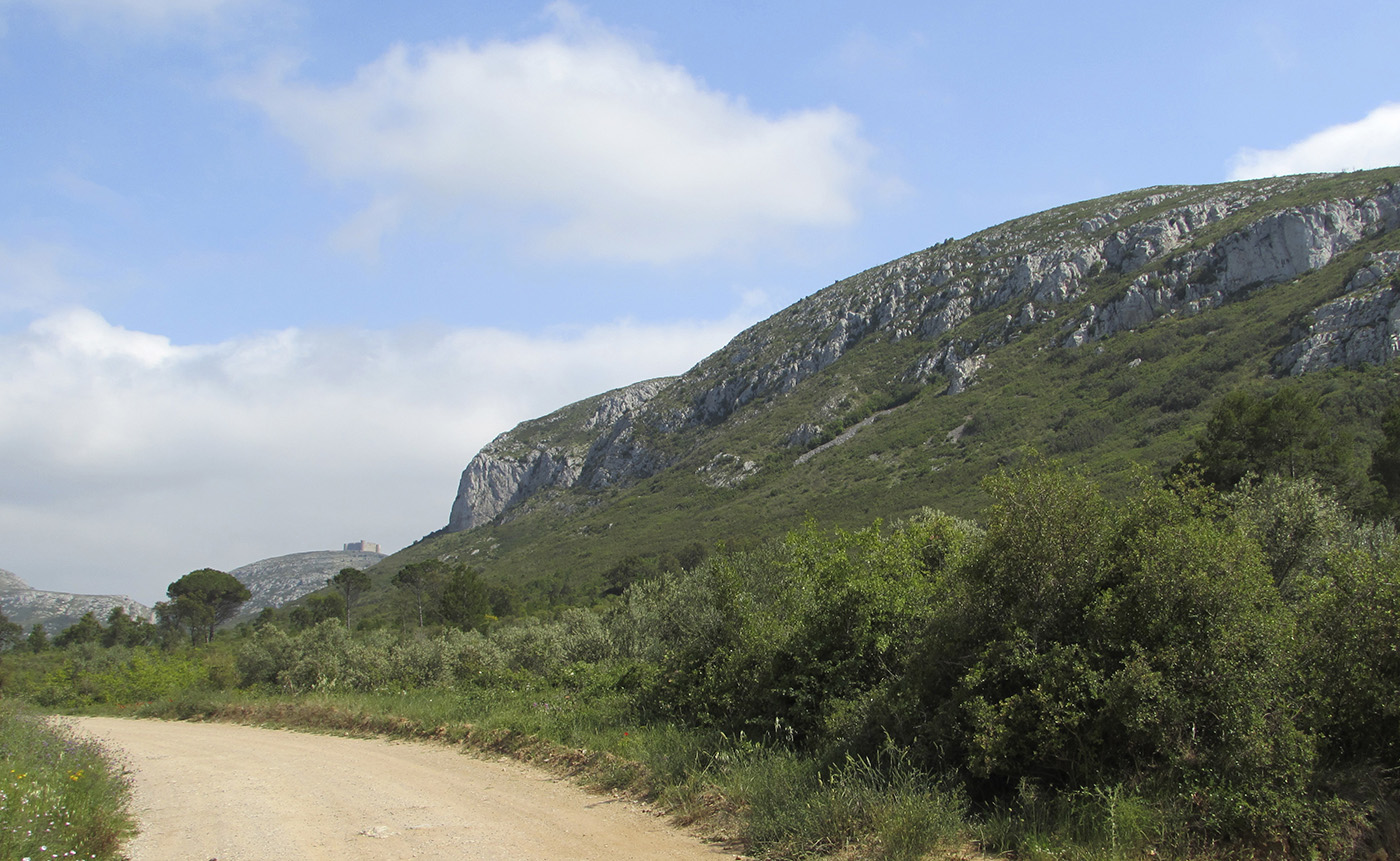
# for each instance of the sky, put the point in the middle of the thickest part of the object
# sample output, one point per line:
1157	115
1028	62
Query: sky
272	271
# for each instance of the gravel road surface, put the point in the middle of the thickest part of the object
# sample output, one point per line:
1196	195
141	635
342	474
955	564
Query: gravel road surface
237	793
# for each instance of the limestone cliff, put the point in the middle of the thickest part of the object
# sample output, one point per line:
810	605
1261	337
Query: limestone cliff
592	443
1071	276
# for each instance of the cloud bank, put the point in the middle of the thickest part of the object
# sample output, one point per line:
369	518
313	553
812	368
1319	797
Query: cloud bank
593	145
1367	143
158	458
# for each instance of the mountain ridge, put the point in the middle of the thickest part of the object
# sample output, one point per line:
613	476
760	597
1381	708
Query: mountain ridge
26	606
1048	290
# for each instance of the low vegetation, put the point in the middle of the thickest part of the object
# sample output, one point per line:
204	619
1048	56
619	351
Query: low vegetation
61	796
1198	667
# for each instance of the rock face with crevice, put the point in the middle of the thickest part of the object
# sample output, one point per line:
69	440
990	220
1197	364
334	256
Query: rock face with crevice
1071	276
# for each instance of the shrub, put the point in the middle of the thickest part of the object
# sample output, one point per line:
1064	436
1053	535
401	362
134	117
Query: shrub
787	640
1092	645
532	646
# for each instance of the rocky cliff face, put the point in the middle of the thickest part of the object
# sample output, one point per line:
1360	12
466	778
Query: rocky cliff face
1096	269
283	579
1362	327
591	444
27	606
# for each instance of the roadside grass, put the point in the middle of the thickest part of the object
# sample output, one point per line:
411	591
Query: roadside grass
61	796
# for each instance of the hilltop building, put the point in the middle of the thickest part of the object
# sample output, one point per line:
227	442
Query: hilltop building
362	547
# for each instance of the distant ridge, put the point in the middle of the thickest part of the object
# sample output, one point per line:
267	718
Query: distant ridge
27	606
282	579
9	582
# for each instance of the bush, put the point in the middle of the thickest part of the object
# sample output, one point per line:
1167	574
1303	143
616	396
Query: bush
532	646
788	640
1098	646
90	675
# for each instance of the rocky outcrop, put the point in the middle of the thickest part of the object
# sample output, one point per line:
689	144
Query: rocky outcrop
283	579
1362	327
9	582
1276	249
597	450
1030	266
726	470
496	479
26	606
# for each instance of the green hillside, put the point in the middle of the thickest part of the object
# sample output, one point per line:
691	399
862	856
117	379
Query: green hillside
1132	400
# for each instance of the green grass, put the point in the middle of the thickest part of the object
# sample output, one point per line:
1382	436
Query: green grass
61	796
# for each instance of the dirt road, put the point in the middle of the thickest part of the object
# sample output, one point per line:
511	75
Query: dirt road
238	793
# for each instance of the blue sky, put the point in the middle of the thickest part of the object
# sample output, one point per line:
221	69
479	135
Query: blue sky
271	271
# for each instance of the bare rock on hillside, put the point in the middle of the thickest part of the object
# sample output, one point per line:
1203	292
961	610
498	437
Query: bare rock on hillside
1150	254
590	443
9	582
1361	327
283	579
26	606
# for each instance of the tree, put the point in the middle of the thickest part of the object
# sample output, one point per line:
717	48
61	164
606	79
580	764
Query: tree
504	600
317	609
464	602
351	583
38	639
627	571
169	626
11	635
1385	463
1282	434
123	630
417	582
85	630
204	599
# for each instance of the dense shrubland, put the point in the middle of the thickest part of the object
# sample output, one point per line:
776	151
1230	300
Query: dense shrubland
1193	669
1206	666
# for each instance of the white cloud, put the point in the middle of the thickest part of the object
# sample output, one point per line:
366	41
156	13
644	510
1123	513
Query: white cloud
131	460
1367	143
583	139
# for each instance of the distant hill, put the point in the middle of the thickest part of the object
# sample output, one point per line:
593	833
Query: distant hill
283	579
10	583
27	606
1102	333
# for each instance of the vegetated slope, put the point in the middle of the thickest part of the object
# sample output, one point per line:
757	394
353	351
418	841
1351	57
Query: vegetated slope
1102	333
283	579
27	606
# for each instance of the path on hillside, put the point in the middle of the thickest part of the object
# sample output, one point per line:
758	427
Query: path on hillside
237	793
